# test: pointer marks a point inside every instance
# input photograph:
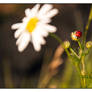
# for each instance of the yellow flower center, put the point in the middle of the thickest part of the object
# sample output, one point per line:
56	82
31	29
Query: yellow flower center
32	24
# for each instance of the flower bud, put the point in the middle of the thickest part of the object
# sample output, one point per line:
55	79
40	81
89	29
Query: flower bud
66	44
89	44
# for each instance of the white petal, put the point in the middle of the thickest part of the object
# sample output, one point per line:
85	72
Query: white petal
20	30
44	9
39	36
27	11
42	40
51	14
35	8
35	42
24	41
34	11
19	39
45	20
16	26
47	27
24	19
41	31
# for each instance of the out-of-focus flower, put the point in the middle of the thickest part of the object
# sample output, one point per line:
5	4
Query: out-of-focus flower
35	27
89	44
66	44
76	35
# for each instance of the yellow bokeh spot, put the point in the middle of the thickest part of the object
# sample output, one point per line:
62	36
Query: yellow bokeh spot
32	24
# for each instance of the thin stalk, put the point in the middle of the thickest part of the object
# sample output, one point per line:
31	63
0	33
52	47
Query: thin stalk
87	26
74	53
56	37
79	44
80	49
83	73
67	52
60	41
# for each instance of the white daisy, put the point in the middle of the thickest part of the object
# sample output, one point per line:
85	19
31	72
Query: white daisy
34	27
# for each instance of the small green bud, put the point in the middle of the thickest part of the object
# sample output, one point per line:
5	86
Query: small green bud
66	44
89	44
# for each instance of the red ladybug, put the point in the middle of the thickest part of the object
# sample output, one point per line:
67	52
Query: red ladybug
78	33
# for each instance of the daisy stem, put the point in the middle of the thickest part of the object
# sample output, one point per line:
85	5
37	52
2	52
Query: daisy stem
60	41
56	37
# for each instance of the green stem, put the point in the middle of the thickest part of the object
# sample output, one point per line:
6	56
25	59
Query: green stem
83	72
67	52
87	26
79	44
56	37
60	41
74	52
80	49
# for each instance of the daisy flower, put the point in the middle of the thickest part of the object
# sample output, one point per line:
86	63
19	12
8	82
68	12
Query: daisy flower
34	27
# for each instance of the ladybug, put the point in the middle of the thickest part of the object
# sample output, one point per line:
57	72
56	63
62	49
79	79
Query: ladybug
78	33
